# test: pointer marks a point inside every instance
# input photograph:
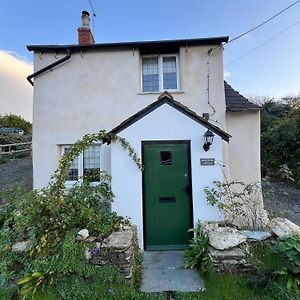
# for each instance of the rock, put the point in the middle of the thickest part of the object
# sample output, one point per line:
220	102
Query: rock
21	246
82	234
283	227
87	253
236	254
90	239
223	238
254	236
209	226
229	261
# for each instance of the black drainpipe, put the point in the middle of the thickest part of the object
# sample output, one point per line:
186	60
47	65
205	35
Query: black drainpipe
49	67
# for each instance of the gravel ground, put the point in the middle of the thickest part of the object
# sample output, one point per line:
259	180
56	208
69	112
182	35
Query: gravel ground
285	201
16	173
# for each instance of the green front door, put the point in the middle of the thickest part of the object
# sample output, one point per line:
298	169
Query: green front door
167	195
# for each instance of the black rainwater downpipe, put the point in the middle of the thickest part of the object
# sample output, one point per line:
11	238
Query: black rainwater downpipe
49	67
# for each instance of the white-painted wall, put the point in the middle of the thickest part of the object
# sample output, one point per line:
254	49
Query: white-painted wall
164	123
100	89
244	146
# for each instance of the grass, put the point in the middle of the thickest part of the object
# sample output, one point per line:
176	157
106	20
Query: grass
237	287
227	287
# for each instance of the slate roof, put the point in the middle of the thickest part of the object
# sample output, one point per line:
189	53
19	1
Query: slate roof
236	102
167	98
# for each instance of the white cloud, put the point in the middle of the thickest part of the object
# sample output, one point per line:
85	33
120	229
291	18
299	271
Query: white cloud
16	92
226	74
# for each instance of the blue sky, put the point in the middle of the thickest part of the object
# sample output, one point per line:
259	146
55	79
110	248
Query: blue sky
272	70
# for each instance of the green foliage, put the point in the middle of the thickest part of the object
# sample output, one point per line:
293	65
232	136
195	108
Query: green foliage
264	284
7	293
196	255
288	248
14	138
285	173
53	266
138	272
11	120
50	224
280	139
238	202
225	287
266	281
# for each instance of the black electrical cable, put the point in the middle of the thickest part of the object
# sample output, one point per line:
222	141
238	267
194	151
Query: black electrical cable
263	23
264	43
259	25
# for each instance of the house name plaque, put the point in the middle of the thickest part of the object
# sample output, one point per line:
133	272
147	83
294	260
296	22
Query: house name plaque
207	161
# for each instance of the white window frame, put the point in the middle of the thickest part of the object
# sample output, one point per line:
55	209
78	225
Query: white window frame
70	183
160	72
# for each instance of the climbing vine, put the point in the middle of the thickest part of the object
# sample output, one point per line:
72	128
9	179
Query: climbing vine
57	183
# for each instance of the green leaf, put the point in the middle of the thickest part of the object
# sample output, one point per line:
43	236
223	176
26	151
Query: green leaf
26	291
36	274
24	279
290	283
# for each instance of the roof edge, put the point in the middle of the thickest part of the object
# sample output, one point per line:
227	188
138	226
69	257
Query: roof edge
157	43
236	102
165	99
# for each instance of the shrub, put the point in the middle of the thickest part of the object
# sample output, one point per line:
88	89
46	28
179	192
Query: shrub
197	253
288	248
280	138
240	203
10	120
53	266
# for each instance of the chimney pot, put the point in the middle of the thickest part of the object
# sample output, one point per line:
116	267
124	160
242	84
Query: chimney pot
85	36
85	17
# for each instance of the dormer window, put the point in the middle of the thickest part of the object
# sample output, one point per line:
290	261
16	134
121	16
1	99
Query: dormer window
159	73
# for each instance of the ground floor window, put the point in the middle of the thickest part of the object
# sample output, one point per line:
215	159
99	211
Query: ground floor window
87	164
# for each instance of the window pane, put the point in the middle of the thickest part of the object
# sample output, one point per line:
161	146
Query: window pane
72	173
150	74
165	158
169	73
91	163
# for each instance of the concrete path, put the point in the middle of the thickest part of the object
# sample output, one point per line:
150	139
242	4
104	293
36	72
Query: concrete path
164	271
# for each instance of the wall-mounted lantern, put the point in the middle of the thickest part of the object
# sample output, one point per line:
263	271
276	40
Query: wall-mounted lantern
208	140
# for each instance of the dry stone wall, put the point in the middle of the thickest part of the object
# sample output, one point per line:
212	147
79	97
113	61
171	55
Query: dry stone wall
117	250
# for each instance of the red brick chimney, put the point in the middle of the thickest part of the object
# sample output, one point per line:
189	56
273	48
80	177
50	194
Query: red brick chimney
85	36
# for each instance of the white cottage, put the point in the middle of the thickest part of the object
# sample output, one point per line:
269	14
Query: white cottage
169	100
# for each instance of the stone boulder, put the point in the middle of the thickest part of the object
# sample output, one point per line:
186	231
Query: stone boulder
223	238
283	227
255	236
21	246
82	234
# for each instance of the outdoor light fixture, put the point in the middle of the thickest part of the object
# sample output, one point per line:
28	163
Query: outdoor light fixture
208	139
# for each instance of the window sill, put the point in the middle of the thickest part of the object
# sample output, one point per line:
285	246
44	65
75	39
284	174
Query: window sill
158	93
70	183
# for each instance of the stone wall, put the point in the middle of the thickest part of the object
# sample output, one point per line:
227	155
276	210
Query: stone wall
229	249
117	250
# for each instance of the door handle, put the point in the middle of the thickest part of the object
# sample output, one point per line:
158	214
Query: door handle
186	189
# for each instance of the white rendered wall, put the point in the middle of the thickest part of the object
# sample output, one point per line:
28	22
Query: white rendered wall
164	123
100	89
244	146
